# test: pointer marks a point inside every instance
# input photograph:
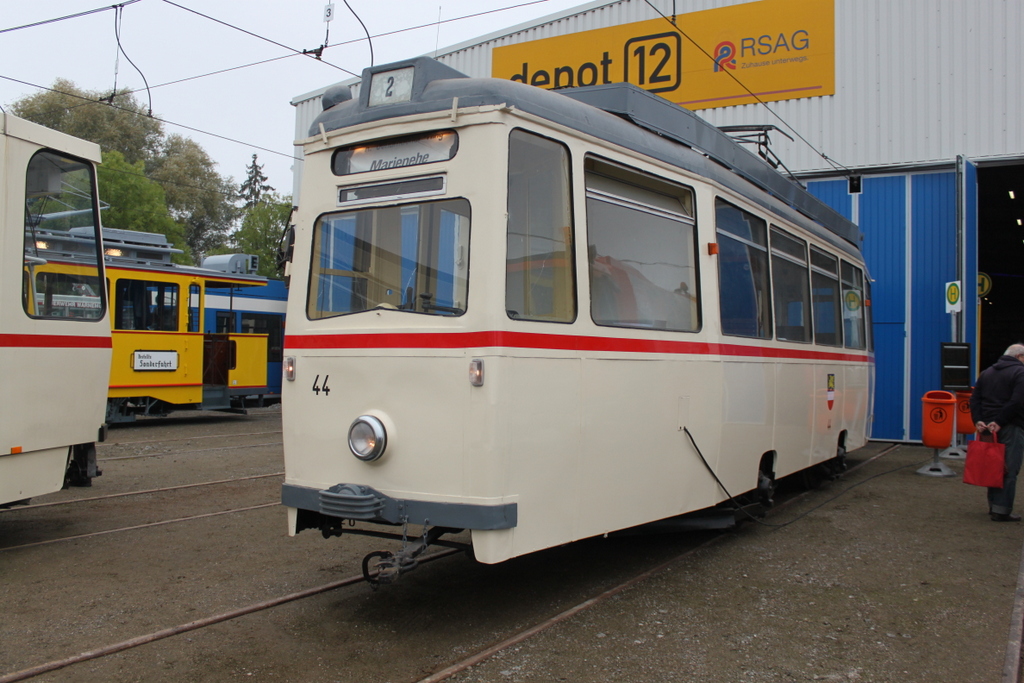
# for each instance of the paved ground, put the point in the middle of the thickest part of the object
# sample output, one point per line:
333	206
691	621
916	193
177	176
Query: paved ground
902	578
885	575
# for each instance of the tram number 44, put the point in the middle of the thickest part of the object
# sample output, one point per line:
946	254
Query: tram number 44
317	387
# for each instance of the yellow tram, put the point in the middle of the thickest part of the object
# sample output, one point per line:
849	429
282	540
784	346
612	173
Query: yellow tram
166	355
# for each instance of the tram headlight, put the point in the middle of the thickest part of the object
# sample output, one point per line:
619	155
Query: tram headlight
367	438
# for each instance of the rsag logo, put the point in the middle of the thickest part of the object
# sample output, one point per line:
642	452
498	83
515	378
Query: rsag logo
725	56
762	46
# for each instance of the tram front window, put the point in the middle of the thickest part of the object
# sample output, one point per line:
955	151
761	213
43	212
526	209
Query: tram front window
411	258
61	250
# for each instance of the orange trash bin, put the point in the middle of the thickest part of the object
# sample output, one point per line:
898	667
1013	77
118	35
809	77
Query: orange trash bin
964	421
937	418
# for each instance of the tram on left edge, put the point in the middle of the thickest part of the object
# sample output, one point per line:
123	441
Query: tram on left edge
55	339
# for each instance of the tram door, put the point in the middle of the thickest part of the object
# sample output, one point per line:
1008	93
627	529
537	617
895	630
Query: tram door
218	355
218	359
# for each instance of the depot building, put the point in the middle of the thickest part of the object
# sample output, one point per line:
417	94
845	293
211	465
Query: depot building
903	115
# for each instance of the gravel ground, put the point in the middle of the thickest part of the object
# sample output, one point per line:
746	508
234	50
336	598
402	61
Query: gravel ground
904	578
901	577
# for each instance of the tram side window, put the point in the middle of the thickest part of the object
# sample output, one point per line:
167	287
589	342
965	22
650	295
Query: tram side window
145	305
225	322
642	245
790	287
194	308
412	257
271	325
825	298
540	281
61	250
743	278
853	306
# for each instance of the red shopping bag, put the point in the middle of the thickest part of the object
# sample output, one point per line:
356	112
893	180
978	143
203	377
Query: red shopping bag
986	462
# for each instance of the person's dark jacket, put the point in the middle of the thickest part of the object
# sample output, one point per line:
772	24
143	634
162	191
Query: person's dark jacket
999	393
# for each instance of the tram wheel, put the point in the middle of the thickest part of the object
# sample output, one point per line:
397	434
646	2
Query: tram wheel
766	484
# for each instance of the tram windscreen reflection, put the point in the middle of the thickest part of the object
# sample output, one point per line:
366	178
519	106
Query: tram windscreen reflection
406	258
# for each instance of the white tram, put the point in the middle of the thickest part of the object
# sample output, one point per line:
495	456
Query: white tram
54	330
510	309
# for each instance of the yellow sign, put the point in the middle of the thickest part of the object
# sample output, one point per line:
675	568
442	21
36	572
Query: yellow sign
953	297
953	292
852	298
775	49
984	284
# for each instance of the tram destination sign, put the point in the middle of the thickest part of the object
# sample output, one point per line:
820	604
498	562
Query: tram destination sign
415	150
155	361
768	50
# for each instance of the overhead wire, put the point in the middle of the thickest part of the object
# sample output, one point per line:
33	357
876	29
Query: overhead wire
309	53
155	118
117	35
70	16
294	52
834	164
369	40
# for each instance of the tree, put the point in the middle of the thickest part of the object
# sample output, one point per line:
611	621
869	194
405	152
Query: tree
262	225
137	203
122	124
197	195
255	185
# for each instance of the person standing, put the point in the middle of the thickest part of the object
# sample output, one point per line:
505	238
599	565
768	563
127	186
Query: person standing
997	406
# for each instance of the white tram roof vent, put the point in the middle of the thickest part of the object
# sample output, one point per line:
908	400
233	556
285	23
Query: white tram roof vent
240	264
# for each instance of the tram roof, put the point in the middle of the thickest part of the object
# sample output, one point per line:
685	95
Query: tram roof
620	113
131	250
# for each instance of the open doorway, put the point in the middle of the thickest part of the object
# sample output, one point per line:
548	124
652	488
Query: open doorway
1001	258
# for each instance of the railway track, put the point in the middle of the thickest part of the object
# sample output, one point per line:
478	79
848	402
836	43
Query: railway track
136	527
108	444
478	657
126	494
190	452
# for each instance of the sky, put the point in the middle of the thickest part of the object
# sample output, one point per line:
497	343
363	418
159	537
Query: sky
248	108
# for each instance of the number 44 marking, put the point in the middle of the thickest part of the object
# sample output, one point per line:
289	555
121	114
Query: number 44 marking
317	387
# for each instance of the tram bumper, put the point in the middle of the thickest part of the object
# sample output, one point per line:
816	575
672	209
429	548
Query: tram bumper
363	503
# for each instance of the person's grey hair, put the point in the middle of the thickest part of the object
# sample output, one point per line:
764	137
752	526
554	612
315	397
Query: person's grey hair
1015	350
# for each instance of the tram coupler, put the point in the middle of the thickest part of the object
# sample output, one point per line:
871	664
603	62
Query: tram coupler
390	565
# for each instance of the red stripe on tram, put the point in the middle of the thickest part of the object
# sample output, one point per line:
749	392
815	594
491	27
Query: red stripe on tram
560	342
53	341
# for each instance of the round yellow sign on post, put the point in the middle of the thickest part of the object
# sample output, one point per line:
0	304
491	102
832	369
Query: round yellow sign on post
984	284
953	297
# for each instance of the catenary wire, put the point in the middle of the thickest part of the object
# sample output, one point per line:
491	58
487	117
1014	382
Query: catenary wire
338	44
70	16
256	35
295	52
369	40
156	118
118	15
